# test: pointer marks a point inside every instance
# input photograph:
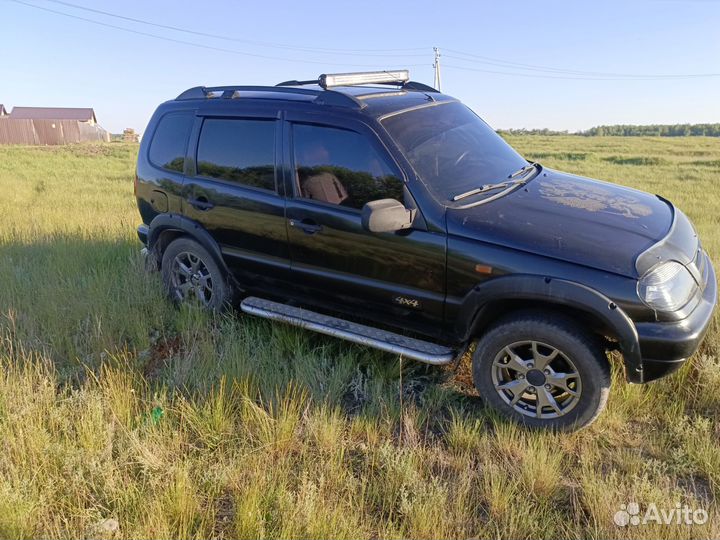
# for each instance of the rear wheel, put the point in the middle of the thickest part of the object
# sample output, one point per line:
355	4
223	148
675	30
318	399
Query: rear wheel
191	276
543	372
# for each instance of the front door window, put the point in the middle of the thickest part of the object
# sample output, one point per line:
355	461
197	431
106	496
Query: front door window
338	166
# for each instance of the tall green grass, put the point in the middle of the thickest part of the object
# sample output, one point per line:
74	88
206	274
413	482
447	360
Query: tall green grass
115	405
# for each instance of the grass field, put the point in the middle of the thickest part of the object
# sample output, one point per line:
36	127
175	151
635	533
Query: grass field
116	406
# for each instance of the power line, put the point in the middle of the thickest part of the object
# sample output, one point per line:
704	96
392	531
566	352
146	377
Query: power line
199	45
592	74
320	50
563	77
475	58
517	69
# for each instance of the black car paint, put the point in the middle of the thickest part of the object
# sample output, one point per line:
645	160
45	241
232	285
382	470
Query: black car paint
560	241
595	224
360	271
247	223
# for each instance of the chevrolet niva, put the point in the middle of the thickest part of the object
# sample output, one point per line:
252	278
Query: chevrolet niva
375	209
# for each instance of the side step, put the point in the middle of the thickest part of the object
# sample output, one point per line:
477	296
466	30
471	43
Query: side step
424	351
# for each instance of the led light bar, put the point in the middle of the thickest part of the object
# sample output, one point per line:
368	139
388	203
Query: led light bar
367	77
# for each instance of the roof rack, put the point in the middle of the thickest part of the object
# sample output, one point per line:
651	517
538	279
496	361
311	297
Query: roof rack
400	78
323	97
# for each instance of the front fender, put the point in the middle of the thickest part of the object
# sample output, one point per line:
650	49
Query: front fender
552	291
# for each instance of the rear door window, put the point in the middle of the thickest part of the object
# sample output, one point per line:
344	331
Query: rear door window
241	151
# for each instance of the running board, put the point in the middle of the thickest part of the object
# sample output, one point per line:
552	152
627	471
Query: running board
423	351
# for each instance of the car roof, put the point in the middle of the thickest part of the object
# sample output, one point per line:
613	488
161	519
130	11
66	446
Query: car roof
375	101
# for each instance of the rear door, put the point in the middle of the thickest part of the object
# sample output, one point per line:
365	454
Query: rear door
233	191
396	278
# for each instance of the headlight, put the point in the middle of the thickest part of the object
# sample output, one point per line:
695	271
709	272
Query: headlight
667	287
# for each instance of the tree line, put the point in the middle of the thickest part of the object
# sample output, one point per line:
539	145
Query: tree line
629	130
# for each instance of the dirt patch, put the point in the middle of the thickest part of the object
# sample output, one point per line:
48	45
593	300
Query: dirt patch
462	377
224	515
698	487
159	353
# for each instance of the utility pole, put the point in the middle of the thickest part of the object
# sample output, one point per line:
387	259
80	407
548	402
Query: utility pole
436	66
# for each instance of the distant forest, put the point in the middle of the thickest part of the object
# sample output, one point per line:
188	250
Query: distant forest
655	130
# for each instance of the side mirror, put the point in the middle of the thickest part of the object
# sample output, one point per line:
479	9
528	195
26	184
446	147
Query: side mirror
386	215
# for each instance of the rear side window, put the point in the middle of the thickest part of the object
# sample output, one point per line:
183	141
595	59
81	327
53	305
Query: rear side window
342	167
167	149
238	150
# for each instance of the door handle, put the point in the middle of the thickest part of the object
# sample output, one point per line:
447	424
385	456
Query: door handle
200	203
308	226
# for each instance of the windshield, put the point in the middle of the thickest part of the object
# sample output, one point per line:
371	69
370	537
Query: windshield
452	149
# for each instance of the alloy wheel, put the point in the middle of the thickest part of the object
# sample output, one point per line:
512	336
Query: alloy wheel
191	280
536	379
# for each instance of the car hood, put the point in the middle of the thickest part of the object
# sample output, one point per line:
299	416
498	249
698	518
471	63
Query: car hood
572	218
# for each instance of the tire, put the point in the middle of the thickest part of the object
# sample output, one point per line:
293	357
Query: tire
505	372
192	276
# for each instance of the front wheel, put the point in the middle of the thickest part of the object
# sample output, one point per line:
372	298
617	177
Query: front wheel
544	372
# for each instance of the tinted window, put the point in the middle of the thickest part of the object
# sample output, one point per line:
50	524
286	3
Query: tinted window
167	149
452	149
341	167
241	151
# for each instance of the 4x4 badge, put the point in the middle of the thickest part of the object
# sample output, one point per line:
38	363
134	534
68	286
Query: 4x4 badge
407	302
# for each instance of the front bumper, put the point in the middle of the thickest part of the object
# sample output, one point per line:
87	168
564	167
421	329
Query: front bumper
664	346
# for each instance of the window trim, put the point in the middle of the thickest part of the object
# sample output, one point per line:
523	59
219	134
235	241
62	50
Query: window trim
380	150
191	114
225	181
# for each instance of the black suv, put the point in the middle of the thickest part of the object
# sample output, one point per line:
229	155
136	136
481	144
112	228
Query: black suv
378	210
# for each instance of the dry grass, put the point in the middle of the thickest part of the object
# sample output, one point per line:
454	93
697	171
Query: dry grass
114	405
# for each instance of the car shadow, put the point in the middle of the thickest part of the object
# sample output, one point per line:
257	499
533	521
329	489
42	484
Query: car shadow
84	302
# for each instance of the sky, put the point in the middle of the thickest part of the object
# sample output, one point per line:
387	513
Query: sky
563	65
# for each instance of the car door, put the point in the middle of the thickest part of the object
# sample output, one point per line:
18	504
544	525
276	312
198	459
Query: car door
394	278
233	191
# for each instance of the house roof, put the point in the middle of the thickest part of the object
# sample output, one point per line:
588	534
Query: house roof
3	110
54	113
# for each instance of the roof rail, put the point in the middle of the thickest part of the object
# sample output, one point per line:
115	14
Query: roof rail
330	97
420	87
297	83
323	97
207	92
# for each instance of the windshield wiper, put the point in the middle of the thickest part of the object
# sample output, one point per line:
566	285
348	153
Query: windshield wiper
517	178
526	169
